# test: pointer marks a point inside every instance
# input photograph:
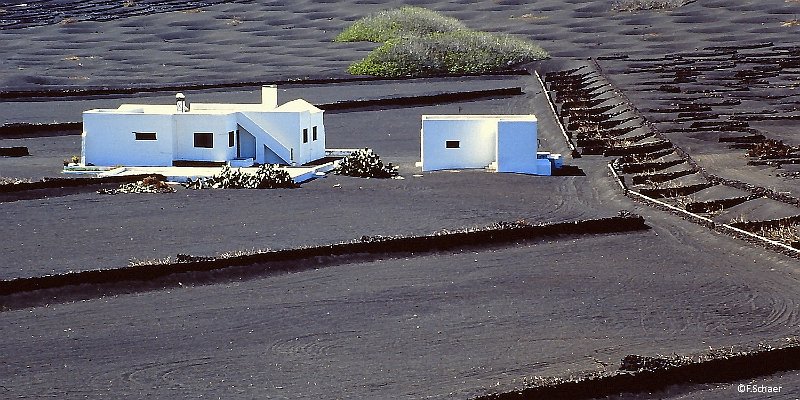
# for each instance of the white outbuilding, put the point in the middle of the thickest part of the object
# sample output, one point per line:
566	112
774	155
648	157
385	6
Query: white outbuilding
501	143
239	134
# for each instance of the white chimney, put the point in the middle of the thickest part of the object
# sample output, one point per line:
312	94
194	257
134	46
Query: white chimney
180	100
269	96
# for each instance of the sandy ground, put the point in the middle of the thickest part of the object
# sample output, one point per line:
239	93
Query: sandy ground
439	326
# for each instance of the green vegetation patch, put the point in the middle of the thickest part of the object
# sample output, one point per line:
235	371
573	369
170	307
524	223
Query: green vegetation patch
419	42
390	24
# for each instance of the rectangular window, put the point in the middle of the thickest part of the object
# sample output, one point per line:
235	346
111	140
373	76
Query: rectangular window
305	135
204	140
314	133
231	139
452	144
145	135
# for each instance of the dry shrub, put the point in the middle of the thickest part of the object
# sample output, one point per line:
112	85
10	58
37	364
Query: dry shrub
13	181
265	177
150	184
642	5
771	148
364	163
791	23
788	232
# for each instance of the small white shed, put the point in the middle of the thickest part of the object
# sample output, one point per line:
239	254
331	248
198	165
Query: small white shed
503	143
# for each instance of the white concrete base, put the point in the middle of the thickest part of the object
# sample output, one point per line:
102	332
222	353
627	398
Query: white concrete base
182	174
241	162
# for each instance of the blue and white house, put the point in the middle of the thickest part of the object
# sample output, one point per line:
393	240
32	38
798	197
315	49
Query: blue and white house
239	134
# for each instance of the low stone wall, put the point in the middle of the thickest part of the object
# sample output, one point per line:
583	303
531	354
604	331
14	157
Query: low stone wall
209	269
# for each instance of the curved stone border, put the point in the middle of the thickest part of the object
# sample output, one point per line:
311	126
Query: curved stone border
707	222
57	183
716	369
567	139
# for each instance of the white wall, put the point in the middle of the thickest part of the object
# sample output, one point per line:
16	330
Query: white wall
219	124
314	149
516	146
477	139
109	139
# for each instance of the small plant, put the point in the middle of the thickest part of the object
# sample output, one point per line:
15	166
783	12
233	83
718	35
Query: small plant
136	262
150	184
265	177
790	23
74	160
13	181
739	219
641	5
364	163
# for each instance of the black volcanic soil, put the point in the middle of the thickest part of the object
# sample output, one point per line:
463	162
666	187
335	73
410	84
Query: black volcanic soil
439	326
448	325
256	41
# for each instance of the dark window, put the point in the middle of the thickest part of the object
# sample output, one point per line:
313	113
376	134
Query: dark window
452	144
145	135
231	139
314	133
305	135
204	139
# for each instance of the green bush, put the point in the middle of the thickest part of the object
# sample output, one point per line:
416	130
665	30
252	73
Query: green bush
364	163
390	24
266	177
418	42
459	52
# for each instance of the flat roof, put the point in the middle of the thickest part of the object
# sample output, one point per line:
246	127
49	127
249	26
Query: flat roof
516	117
298	105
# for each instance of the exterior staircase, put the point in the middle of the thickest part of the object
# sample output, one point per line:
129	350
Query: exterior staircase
263	137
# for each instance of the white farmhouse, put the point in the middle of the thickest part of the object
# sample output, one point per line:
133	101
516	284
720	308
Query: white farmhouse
501	143
239	134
